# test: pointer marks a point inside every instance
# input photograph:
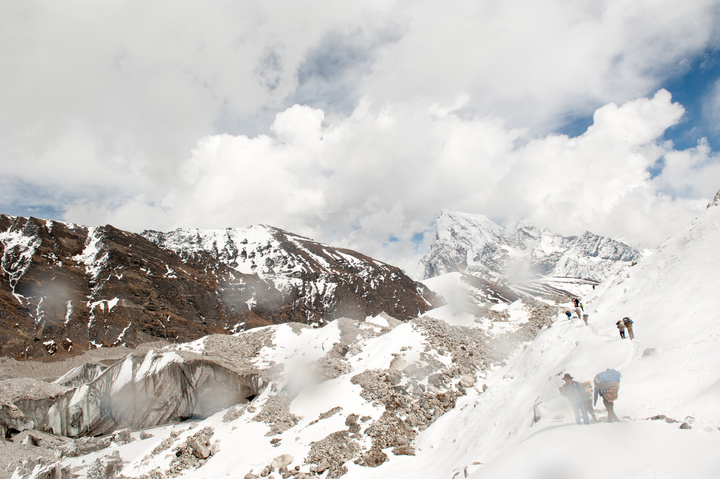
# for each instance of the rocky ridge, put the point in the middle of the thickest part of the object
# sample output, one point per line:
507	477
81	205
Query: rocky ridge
317	280
66	288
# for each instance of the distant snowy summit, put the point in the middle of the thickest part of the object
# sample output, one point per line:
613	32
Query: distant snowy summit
66	287
476	246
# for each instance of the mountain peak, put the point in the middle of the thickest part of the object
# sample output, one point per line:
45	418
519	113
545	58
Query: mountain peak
715	201
474	244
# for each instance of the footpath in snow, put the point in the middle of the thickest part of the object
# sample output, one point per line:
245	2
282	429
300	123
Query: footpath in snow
672	368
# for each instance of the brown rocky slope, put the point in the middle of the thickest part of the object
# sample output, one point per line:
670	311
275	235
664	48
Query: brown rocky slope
66	288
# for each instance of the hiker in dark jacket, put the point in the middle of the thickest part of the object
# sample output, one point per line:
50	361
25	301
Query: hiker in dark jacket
575	393
621	327
607	386
629	325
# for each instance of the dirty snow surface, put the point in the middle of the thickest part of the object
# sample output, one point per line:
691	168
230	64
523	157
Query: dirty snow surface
439	397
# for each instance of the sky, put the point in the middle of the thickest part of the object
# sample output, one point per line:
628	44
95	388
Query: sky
356	123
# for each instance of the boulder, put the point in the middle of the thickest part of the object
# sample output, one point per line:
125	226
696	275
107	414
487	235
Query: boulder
123	436
281	461
199	450
398	363
29	441
467	381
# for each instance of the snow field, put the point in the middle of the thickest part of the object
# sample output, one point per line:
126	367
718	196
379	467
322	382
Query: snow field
514	423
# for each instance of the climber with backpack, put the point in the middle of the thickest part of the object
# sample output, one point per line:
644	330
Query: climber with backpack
629	325
607	385
621	327
588	399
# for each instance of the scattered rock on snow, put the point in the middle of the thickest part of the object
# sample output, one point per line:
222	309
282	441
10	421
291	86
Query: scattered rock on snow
332	452
276	413
372	458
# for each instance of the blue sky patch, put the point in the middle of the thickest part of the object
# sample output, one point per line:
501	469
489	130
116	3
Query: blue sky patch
692	90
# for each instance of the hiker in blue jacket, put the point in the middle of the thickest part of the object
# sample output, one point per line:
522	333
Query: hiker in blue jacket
575	393
607	386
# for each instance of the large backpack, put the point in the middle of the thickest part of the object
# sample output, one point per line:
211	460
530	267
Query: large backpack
608	382
588	389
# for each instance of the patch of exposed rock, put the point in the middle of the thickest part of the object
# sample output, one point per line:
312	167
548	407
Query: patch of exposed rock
276	413
541	314
193	453
332	452
334	364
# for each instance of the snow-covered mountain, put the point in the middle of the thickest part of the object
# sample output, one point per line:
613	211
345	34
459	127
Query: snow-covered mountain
502	265
319	281
476	245
449	394
66	287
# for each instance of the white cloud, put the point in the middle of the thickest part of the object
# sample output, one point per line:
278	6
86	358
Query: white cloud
535	62
133	113
385	172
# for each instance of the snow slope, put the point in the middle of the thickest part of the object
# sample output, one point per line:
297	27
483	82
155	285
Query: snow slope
672	368
513	423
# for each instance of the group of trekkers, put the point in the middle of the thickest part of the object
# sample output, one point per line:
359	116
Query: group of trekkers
582	399
624	324
579	309
607	383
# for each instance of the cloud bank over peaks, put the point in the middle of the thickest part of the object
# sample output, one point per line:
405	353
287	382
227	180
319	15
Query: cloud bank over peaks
375	181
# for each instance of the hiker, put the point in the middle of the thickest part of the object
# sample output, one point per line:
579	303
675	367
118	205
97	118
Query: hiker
621	327
588	399
576	302
628	324
575	393
607	385
569	314
585	318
